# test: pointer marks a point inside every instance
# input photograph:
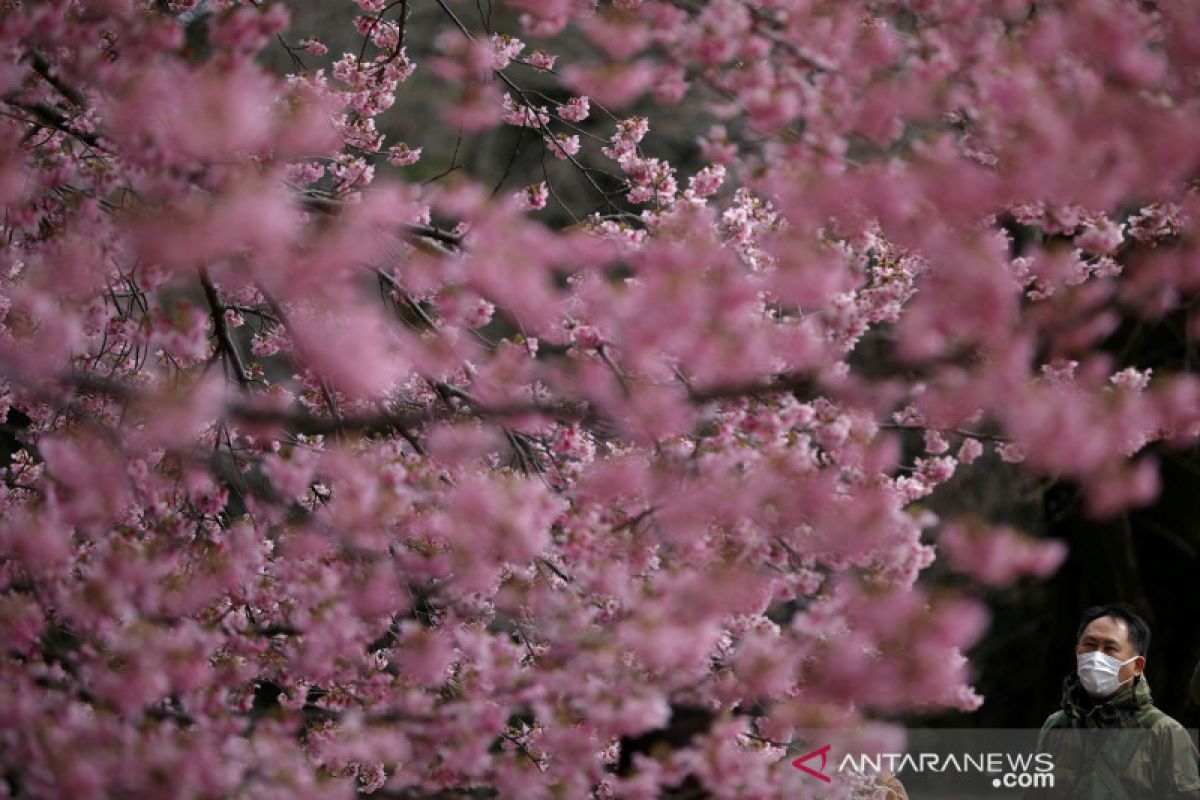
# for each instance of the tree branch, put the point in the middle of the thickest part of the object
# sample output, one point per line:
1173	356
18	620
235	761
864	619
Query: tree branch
324	204
221	329
566	410
787	382
43	67
50	117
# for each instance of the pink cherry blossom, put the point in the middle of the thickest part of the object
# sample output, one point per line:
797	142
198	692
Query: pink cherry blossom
998	556
534	196
401	155
330	477
575	109
542	61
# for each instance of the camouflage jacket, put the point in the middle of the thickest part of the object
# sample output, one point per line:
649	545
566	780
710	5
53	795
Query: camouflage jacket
1120	749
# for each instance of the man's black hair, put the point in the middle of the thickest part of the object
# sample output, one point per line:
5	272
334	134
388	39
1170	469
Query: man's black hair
1139	631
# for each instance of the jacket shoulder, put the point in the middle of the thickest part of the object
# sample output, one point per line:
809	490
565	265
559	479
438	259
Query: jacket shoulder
1056	720
1155	719
1179	756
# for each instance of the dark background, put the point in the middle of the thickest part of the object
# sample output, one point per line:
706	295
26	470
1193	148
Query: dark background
1148	557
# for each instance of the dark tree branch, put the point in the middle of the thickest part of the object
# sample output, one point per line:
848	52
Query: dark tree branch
325	204
51	117
221	330
573	410
43	67
801	382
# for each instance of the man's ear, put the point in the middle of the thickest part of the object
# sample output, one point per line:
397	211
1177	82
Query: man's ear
1140	665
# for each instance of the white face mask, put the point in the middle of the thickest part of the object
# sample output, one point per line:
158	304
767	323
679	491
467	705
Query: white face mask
1098	673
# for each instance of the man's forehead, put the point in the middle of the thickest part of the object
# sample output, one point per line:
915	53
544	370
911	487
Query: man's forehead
1107	628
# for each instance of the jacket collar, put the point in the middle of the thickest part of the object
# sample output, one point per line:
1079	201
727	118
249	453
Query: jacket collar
1117	711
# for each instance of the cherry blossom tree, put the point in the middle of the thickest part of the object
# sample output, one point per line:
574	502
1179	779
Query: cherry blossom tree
321	479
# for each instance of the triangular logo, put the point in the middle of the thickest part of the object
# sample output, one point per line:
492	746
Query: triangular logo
823	752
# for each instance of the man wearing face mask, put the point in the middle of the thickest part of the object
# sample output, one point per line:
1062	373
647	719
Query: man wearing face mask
1109	740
